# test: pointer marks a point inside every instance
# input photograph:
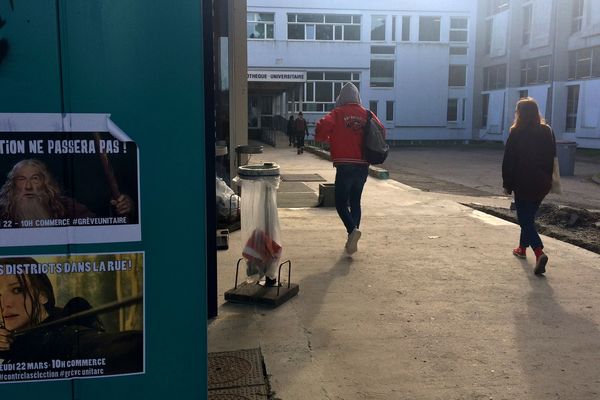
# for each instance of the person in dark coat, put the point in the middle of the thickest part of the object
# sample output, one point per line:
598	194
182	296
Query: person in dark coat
291	131
301	129
527	172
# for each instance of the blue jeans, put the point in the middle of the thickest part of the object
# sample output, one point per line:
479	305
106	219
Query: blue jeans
349	182
526	211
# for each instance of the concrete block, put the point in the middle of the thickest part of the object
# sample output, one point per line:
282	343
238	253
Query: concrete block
327	195
378	173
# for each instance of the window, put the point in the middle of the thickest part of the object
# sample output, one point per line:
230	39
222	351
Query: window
322	88
429	29
378	27
535	71
382	73
497	6
452	110
526	24
458	29
373	106
494	77
584	63
389	110
577	16
260	25
485	102
457	75
342	27
572	106
488	36
523	93
383	49
405	28
393	28
458	51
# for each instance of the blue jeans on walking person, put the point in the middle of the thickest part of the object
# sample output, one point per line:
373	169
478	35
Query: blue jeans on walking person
526	211
349	182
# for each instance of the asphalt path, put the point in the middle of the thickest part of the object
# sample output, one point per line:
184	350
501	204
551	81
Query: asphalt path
471	170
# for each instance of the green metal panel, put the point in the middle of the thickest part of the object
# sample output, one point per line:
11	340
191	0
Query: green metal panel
29	79
140	61
30	82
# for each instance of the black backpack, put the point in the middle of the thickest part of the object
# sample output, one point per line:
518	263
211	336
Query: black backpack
375	148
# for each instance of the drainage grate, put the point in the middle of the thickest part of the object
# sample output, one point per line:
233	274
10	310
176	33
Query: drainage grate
232	369
226	369
241	393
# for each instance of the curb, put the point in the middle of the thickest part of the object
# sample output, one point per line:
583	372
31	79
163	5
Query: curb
376	172
318	152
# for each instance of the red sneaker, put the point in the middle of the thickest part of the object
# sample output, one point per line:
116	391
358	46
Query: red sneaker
520	252
540	264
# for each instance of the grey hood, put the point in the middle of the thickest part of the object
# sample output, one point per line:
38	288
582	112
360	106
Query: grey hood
348	94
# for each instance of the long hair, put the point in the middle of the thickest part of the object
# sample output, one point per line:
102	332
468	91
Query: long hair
527	115
33	286
53	191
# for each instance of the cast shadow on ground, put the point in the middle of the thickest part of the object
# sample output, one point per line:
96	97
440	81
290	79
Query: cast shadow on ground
559	351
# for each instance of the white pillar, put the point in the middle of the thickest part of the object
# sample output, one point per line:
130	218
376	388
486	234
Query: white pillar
238	78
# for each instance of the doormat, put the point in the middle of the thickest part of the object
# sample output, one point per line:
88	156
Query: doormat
239	374
296	195
302	178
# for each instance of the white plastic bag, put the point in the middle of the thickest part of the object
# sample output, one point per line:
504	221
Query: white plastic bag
228	203
261	234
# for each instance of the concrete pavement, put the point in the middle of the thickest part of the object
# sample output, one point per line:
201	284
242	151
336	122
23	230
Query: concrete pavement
432	306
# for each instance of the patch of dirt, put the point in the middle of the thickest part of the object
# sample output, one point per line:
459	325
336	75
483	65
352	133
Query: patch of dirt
577	226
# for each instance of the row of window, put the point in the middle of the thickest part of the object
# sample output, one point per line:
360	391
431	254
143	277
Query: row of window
344	27
452	111
496	6
324	92
321	88
571	114
583	64
389	109
535	71
576	19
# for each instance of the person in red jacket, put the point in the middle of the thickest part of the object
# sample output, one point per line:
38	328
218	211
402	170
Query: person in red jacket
343	129
527	171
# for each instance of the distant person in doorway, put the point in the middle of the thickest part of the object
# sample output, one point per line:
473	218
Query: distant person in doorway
301	130
527	171
290	131
343	129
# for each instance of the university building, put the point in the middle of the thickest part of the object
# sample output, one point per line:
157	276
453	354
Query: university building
414	62
434	70
549	50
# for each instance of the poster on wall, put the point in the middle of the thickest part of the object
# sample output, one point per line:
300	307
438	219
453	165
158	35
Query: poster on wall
67	179
71	316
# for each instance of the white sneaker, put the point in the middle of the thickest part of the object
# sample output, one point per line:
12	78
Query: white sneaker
352	242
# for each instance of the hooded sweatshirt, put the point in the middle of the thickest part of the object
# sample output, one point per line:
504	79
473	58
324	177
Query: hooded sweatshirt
343	127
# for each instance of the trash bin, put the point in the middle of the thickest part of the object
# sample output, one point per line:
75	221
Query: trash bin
565	151
259	220
246	149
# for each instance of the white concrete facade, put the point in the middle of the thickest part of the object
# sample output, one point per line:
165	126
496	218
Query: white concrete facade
416	101
545	49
